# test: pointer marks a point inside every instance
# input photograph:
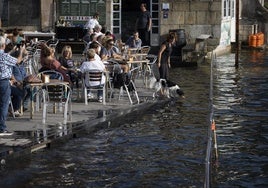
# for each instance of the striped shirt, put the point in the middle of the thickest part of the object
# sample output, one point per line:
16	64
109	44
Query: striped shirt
6	64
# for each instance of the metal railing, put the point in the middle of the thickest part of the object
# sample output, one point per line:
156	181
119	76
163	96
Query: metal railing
211	127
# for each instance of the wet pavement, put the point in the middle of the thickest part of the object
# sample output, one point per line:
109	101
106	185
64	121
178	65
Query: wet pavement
31	135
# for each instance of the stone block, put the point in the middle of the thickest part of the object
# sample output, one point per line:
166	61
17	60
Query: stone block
216	31
198	6
201	17
174	18
210	48
214	18
180	6
213	42
190	17
215	6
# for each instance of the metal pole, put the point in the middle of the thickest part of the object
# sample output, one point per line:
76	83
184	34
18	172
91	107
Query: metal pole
237	33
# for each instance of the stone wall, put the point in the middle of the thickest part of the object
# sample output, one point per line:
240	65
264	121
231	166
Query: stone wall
195	17
47	15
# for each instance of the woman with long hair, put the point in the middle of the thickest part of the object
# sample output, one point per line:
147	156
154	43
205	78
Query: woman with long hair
164	56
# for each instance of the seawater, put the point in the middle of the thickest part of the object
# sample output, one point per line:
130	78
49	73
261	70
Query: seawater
166	146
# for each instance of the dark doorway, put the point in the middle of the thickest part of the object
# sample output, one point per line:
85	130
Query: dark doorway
129	14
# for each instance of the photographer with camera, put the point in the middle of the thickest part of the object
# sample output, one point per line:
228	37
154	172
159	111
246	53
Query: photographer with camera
16	39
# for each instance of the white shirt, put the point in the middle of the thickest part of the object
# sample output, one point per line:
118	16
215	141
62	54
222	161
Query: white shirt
93	65
97	57
92	22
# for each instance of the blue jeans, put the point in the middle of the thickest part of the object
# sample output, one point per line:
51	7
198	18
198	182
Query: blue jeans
5	92
17	96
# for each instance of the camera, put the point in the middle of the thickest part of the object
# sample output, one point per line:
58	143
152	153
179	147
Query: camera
20	44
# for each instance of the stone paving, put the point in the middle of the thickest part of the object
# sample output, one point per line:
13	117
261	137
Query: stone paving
31	135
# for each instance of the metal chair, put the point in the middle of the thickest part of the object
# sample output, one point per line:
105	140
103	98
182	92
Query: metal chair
145	49
52	74
94	80
129	85
57	93
52	43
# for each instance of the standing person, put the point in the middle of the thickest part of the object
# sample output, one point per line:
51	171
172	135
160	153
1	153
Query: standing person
164	56
144	24
92	22
134	41
6	64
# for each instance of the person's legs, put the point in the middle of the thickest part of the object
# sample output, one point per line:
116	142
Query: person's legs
147	38
100	94
4	102
27	97
142	34
17	96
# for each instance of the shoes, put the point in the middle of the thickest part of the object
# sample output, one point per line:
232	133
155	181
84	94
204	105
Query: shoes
25	109
100	99
17	113
5	133
90	96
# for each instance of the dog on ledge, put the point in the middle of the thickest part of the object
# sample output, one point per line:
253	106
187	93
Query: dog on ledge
167	88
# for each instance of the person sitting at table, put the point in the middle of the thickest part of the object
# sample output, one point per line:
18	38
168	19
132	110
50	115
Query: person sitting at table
87	36
97	48
18	91
100	39
49	62
109	34
93	64
68	63
134	41
93	37
97	30
107	51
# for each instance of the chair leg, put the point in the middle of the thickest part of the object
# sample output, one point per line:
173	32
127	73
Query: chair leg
85	95
121	91
65	113
12	109
128	94
104	95
70	110
135	91
44	113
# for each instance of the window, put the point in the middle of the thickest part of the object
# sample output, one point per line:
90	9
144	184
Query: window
20	13
228	10
79	11
116	16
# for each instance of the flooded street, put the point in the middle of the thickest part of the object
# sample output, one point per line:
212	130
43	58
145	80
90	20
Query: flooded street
241	103
166	146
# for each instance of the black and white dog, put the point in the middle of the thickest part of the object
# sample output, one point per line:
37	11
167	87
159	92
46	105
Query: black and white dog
167	88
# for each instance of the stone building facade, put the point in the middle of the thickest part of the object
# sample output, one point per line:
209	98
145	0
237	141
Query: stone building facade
195	17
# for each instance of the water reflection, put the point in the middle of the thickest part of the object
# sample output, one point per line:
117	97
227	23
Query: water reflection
165	146
241	111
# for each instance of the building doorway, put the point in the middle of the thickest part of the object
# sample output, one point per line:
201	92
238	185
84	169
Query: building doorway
130	11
